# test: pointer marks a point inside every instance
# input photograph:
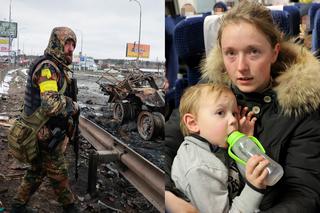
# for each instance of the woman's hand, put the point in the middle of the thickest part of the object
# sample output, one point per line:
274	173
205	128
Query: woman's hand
246	121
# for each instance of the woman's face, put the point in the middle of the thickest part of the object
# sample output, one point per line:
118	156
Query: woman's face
247	55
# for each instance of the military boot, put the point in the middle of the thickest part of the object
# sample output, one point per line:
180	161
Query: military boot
70	208
22	208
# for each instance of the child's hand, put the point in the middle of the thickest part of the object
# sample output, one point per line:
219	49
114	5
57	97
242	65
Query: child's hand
246	121
256	171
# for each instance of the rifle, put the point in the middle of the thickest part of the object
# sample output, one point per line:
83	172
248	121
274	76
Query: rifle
75	136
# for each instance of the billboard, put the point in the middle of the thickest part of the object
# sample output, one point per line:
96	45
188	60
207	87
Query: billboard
132	50
4	44
8	29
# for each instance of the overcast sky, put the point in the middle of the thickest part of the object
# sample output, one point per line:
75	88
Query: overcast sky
105	25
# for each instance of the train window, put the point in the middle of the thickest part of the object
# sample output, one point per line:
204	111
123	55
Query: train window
200	6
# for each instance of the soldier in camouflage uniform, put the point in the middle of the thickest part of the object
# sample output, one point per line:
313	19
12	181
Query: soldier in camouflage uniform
47	75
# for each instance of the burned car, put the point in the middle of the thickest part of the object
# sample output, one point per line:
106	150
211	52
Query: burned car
135	96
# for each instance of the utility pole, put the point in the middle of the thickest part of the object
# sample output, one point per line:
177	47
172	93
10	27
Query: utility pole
81	42
81	53
9	52
139	29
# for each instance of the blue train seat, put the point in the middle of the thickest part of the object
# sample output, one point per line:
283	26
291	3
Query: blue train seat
189	41
294	19
172	62
281	19
312	12
316	33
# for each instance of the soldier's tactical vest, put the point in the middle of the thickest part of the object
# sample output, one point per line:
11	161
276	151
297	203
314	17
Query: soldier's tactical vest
32	93
22	137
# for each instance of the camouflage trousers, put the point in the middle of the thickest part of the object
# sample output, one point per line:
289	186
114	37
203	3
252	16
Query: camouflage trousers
51	165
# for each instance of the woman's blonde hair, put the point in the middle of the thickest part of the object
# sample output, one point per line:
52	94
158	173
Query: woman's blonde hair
253	13
190	100
259	16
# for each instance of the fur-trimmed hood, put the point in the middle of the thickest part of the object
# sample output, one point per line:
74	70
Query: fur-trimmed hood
297	87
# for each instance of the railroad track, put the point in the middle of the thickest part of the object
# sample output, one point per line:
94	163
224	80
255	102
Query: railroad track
142	174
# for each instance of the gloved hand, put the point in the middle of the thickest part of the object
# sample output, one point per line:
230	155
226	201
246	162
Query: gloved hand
75	107
72	107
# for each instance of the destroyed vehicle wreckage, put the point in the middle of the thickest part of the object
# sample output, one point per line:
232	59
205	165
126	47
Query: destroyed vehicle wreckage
136	97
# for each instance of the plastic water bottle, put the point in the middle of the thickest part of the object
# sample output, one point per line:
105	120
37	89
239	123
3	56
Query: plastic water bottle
242	147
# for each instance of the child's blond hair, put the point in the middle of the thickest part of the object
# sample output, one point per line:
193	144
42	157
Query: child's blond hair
190	100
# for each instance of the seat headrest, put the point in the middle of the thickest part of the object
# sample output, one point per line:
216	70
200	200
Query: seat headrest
210	31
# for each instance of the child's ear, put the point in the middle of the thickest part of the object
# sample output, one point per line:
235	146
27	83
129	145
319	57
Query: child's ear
191	123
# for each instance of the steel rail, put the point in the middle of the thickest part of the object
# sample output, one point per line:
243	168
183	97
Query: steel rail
141	173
